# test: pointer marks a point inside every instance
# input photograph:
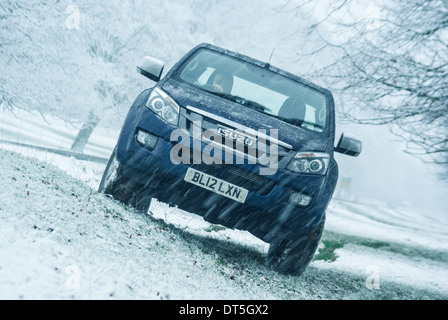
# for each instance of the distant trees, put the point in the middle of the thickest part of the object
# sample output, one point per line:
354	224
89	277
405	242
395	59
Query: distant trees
37	69
112	40
47	62
387	61
76	60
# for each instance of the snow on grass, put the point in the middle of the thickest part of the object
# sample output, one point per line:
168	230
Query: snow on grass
398	225
60	239
388	266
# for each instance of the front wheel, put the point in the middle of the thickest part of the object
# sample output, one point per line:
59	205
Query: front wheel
121	188
292	257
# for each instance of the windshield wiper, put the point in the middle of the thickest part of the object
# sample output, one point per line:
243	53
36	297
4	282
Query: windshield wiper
255	105
296	122
247	103
301	123
222	95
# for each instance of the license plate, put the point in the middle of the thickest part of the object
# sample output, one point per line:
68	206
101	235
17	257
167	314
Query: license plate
216	185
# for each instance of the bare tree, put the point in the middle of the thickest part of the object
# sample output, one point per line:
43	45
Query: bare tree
77	61
34	48
388	64
110	48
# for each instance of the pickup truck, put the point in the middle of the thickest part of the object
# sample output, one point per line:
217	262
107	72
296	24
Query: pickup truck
238	141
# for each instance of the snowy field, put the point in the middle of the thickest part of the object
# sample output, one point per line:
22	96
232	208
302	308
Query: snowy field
60	239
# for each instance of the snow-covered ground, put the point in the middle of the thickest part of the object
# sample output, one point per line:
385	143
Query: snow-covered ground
60	239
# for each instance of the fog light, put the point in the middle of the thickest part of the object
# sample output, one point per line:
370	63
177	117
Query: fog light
300	199
146	139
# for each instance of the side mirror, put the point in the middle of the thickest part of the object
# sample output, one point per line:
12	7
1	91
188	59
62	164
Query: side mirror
151	68
349	145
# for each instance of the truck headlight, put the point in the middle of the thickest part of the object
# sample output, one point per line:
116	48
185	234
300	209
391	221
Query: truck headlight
310	162
166	108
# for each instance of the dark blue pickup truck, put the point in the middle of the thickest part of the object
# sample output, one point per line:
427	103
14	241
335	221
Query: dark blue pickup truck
237	141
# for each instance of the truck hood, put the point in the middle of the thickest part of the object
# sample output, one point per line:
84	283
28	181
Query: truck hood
300	139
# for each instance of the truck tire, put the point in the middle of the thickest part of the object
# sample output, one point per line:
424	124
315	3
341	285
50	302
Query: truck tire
292	257
121	188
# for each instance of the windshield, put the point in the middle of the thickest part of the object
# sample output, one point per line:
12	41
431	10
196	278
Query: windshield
256	88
